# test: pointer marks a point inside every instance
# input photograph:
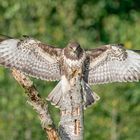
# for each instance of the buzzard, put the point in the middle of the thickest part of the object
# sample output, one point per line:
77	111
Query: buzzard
106	64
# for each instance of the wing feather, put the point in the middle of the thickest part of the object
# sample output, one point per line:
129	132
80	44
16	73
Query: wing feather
31	57
113	63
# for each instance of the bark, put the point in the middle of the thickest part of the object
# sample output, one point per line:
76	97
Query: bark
40	105
71	121
71	118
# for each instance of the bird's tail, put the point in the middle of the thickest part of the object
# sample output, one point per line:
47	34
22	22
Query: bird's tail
55	97
89	96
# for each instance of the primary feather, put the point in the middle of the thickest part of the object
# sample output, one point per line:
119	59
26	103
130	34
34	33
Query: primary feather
31	57
113	64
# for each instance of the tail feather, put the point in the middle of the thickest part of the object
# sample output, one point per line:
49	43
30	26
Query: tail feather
55	96
89	96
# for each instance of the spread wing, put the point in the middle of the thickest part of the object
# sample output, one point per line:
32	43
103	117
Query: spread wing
31	57
112	63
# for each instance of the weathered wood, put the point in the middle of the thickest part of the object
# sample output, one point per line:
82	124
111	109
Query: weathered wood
71	118
71	121
40	105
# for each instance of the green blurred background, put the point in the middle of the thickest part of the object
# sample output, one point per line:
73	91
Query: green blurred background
92	23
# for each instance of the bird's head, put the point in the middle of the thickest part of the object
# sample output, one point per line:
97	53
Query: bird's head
73	51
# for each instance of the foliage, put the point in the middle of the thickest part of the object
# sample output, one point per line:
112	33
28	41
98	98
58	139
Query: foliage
91	23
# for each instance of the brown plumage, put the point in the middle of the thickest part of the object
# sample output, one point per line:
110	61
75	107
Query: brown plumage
110	63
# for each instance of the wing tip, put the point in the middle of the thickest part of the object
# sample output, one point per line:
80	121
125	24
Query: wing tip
4	37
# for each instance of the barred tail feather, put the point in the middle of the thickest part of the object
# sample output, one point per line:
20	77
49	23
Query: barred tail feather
55	96
89	96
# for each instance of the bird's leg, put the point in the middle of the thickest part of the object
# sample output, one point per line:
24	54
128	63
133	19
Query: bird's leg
76	72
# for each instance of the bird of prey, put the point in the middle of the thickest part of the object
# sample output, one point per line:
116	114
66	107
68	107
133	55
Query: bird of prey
106	64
